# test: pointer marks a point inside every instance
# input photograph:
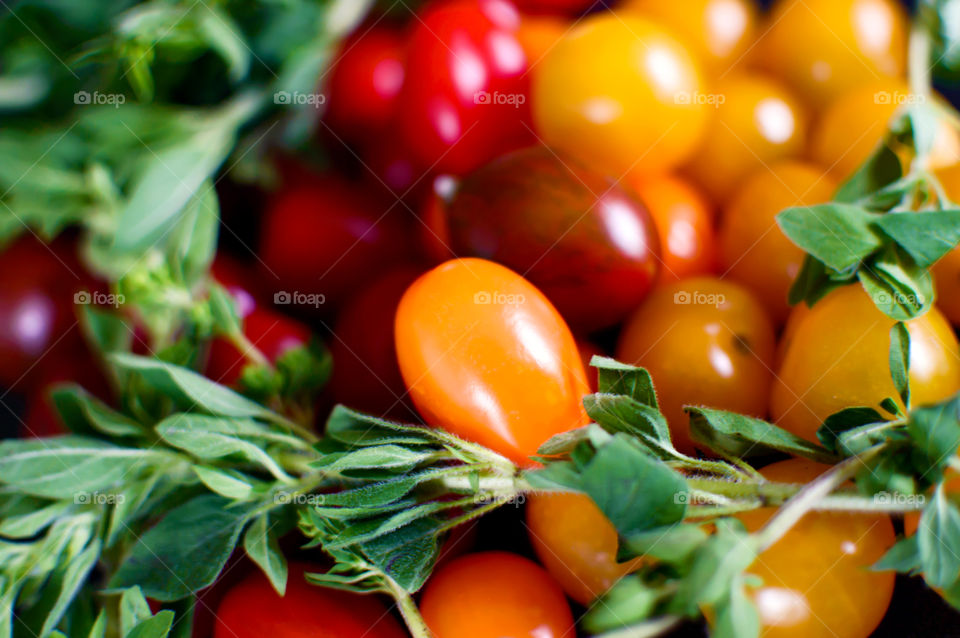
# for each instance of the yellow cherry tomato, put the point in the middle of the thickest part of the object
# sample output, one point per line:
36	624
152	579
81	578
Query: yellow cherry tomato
620	93
838	357
718	32
753	250
705	342
756	121
822	48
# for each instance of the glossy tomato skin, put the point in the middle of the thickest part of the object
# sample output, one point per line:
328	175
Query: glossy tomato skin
619	93
588	350
817	580
252	609
467	101
757	120
366	375
705	342
487	357
824	47
587	244
838	358
365	82
319	237
494	595
684	219
576	543
753	250
271	332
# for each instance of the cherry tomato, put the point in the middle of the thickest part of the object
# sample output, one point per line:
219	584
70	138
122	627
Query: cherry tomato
705	342
540	33
433	232
468	100
41	418
684	220
495	595
753	250
620	92
576	543
586	243
946	272
366	375
718	32
486	357
756	121
319	238
822	48
365	81
817	581
252	609
838	358
587	351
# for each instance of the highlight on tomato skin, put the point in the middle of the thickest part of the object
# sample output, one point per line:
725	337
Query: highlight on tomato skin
487	357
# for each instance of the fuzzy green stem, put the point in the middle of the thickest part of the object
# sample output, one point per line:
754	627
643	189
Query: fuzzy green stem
408	610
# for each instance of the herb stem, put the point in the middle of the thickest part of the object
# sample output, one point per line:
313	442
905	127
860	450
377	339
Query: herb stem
408	609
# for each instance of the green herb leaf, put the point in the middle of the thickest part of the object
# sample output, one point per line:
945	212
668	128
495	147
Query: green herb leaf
614	377
837	234
904	557
925	235
849	431
938	541
260	543
742	436
881	169
900	360
899	288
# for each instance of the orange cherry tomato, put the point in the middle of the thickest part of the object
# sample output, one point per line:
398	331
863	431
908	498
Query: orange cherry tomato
816	578
756	120
705	342
838	358
718	32
951	485
576	543
619	92
753	250
822	48
487	357
684	220
540	33
495	595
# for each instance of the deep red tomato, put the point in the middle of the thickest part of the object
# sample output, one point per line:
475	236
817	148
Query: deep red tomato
589	245
321	237
271	332
366	375
253	609
41	417
468	101
486	357
495	595
588	350
365	81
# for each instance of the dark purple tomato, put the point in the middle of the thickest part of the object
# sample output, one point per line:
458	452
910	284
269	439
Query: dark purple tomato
586	243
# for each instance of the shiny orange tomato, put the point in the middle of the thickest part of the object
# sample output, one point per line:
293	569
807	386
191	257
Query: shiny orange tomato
576	543
838	358
705	342
684	220
718	32
753	250
619	92
822	48
486	357
756	120
495	595
816	578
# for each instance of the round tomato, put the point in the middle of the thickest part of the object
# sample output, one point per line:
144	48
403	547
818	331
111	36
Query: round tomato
585	242
705	342
822	48
946	272
252	609
838	358
494	595
620	93
576	543
684	220
467	101
486	357
753	250
817	581
756	121
717	31
588	350
433	234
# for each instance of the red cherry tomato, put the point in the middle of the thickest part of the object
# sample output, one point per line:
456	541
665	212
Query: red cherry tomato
486	357
495	595
253	609
587	351
365	81
366	375
320	238
41	417
467	99
589	245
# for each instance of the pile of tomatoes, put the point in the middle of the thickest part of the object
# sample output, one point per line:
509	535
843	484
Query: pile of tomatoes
519	187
